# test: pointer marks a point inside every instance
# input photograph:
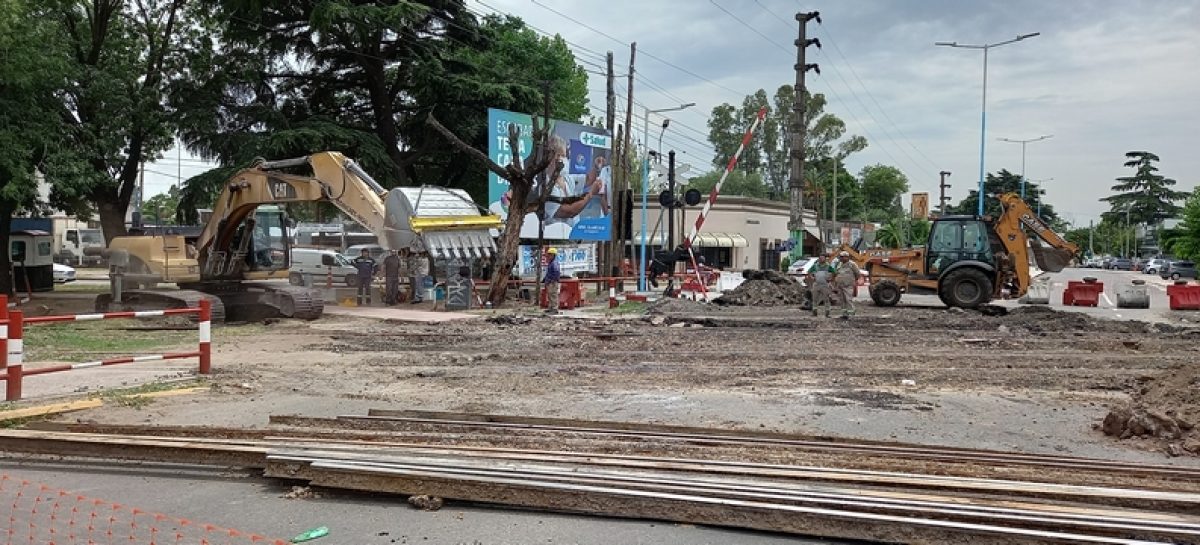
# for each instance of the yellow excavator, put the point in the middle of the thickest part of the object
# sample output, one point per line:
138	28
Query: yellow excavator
968	260
246	242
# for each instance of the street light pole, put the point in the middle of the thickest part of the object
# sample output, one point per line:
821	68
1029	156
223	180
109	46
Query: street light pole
1023	143
646	184
983	114
1039	194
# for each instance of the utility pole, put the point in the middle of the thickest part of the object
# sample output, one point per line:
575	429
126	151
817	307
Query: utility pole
671	208
943	198
1091	238
796	180
611	249
833	215
625	148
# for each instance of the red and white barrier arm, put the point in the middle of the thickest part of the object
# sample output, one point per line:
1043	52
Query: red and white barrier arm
112	361
110	315
716	190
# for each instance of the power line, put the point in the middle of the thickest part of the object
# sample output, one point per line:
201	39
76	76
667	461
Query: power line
752	29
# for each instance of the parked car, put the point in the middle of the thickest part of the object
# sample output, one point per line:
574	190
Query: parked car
376	251
1121	264
63	273
1106	263
1153	266
801	266
1179	269
320	263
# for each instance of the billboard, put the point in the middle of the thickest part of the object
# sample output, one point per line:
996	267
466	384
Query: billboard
572	259
920	206
585	154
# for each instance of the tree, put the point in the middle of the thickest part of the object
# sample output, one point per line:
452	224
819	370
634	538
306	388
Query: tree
770	153
162	207
737	183
294	78
1000	183
1146	197
31	72
123	58
882	187
1183	242
902	232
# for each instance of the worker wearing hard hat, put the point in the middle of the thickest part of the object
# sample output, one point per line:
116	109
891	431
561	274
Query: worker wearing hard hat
550	279
845	277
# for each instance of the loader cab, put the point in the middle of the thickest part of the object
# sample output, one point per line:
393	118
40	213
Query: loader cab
955	239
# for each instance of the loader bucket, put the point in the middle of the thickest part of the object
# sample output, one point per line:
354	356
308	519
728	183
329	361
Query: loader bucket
1049	259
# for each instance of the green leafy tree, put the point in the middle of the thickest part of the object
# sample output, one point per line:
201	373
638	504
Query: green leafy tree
293	78
738	183
901	232
1183	242
849	203
882	187
1146	195
31	73
1005	182
770	151
122	58
161	207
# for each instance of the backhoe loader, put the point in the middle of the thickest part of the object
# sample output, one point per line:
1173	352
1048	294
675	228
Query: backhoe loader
968	260
246	244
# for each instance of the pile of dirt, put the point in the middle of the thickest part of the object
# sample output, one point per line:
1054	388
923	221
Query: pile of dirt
1166	410
1043	319
765	288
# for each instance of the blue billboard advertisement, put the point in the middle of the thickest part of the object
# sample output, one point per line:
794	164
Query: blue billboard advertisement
584	154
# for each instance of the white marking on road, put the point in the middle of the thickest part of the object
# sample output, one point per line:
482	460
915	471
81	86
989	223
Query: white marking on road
1106	299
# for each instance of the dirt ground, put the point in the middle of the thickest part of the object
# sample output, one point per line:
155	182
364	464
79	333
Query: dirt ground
1034	379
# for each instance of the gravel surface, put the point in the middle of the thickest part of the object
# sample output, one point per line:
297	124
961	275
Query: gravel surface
1033	379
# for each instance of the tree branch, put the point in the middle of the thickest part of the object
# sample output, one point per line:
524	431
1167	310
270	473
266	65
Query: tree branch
463	147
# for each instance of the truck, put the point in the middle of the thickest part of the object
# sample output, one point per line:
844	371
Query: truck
968	261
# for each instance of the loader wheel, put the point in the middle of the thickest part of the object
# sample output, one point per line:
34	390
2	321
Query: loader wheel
352	280
965	288
885	293
296	279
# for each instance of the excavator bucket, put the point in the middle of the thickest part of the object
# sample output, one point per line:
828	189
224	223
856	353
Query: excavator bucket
444	222
1049	259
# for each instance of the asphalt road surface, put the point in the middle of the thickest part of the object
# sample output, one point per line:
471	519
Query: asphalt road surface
244	502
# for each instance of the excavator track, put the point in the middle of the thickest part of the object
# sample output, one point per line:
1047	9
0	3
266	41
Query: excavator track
132	300
305	303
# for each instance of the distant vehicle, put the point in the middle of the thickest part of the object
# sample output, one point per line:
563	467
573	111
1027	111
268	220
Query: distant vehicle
1153	266
63	273
1092	262
1106	263
320	263
1121	264
376	251
1179	269
801	267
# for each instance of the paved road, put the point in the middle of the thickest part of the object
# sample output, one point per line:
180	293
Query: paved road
1159	311
239	500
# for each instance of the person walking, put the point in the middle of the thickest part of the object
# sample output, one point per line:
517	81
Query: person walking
367	268
550	279
391	276
845	277
820	285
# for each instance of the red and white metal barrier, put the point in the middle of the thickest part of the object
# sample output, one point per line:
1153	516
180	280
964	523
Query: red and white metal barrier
12	329
716	190
612	294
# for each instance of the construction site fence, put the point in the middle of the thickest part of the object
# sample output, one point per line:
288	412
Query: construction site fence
40	513
12	342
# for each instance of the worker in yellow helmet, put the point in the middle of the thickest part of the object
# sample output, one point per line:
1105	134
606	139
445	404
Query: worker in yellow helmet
550	279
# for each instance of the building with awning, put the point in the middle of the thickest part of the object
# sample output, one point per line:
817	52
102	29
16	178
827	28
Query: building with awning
739	233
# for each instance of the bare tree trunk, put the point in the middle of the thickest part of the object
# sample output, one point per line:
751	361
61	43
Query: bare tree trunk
509	246
6	277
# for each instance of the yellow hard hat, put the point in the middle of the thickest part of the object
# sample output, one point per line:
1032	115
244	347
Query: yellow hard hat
552	251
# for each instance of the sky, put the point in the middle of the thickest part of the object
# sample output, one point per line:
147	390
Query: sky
1103	78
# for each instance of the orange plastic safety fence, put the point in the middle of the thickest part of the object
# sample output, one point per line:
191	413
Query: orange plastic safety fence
33	513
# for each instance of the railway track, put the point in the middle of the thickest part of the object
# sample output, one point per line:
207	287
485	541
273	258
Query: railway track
862	490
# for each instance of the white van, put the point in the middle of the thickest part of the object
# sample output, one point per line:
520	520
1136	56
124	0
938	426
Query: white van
318	263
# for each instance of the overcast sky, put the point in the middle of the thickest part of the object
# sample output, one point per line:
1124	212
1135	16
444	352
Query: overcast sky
1103	78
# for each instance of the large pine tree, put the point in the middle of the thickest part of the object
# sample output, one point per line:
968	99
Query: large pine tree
1146	196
